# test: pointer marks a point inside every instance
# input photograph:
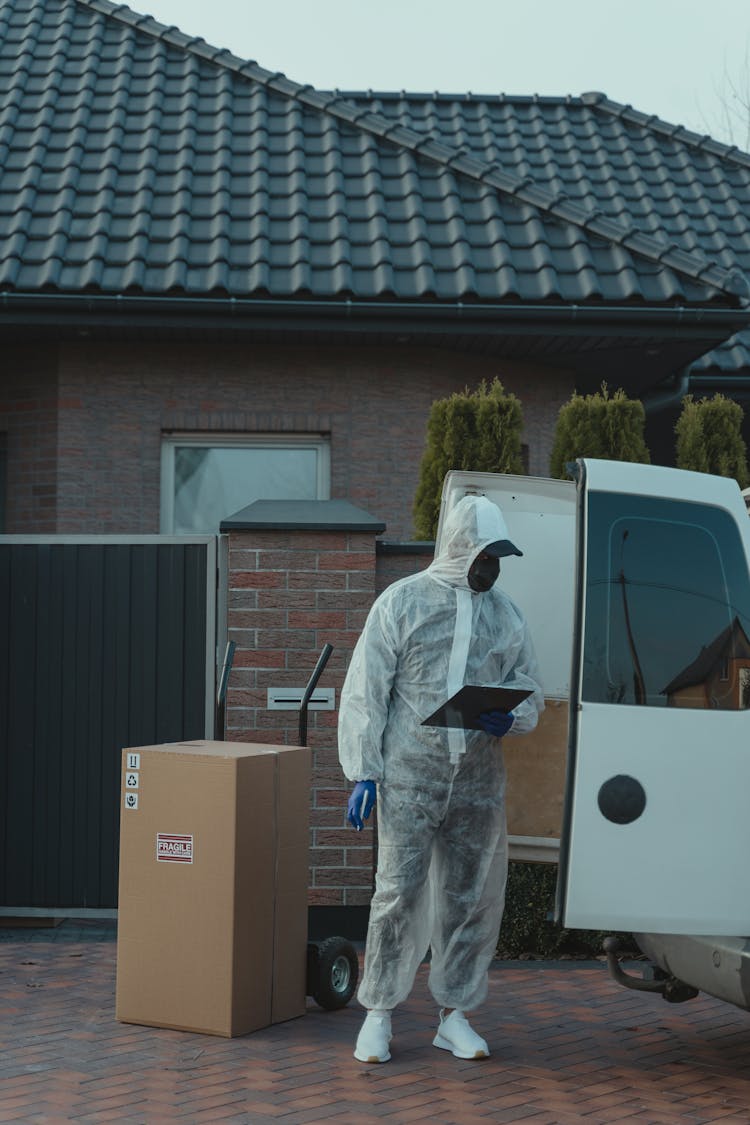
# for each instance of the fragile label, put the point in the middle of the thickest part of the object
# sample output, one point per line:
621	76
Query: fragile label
131	800
174	849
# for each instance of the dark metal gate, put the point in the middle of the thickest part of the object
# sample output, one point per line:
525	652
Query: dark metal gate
104	643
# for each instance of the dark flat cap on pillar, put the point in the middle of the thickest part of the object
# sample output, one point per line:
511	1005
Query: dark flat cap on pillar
302	515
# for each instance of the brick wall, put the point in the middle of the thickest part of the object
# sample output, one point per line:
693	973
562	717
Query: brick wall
93	451
30	406
398	560
289	593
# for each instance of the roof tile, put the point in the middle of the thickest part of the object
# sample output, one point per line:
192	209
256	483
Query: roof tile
135	157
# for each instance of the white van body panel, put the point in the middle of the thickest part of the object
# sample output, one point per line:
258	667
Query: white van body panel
679	866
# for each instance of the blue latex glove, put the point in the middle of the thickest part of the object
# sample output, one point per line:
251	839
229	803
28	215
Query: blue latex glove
361	803
497	722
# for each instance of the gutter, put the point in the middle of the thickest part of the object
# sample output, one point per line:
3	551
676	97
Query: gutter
686	384
19	308
672	396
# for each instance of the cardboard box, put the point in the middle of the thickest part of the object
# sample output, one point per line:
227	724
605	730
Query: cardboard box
212	913
535	764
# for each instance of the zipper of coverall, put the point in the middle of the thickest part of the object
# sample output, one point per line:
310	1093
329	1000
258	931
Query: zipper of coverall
457	666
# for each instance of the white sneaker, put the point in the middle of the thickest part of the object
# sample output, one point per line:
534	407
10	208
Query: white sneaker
374	1038
456	1035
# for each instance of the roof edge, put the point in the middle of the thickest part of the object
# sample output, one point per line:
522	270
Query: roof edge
119	306
702	141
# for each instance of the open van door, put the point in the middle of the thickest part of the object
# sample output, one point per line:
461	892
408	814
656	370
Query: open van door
656	826
540	515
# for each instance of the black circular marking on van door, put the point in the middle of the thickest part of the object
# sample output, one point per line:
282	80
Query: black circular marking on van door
622	799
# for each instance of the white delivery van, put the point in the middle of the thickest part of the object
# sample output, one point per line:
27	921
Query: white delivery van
636	586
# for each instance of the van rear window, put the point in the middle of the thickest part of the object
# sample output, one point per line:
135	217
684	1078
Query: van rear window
667	605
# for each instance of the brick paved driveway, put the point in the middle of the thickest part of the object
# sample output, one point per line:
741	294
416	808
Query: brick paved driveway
569	1046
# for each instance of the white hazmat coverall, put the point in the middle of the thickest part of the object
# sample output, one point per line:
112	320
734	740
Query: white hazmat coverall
442	838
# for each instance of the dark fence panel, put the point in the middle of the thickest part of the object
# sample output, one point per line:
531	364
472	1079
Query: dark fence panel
102	645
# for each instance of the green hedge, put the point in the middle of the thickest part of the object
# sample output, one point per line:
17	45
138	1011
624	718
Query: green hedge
709	438
527	931
599	425
478	430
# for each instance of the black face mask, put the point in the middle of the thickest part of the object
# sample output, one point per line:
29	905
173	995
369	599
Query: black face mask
483	573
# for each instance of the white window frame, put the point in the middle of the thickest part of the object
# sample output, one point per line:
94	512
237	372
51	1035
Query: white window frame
170	440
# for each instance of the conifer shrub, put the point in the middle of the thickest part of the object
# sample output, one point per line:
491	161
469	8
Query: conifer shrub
527	930
709	438
604	425
476	430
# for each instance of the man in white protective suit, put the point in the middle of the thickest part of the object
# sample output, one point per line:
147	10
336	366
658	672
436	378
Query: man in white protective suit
442	838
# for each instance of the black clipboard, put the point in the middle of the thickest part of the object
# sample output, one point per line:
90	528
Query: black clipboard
464	708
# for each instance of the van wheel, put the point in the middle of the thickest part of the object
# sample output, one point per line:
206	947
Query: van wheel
332	972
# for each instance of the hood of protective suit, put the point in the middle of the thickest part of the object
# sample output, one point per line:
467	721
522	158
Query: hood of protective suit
474	525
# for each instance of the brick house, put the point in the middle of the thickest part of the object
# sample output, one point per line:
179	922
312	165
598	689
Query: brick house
218	286
719	676
203	263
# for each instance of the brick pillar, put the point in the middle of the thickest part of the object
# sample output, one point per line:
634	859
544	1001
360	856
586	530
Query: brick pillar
302	574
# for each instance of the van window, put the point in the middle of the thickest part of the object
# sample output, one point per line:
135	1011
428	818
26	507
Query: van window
667	605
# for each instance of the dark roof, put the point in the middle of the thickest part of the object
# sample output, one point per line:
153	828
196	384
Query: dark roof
731	641
137	160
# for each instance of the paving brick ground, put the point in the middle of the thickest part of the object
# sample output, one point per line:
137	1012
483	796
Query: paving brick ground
569	1046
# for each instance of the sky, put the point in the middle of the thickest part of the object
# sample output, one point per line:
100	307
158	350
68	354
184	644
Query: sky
687	61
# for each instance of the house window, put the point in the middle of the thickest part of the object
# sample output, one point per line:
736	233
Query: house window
206	478
744	675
